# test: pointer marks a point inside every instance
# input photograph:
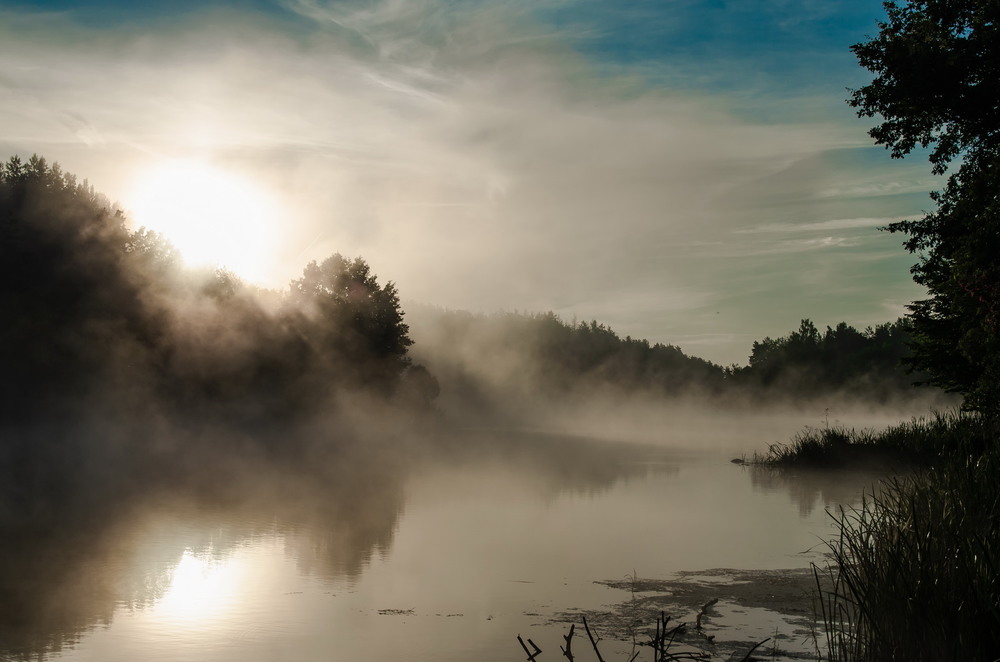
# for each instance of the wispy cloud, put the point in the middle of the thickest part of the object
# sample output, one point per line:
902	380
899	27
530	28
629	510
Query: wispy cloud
821	226
478	155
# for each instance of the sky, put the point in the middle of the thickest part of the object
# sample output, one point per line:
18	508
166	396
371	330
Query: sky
685	171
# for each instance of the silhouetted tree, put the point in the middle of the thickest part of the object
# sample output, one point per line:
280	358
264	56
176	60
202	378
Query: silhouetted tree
97	313
73	315
805	362
352	322
937	86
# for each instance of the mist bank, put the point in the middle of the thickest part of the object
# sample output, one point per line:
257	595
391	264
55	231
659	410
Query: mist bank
537	369
130	382
111	338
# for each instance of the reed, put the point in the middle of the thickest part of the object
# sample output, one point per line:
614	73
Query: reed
914	574
923	441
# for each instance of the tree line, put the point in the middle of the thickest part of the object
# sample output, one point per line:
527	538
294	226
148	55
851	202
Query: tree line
869	364
102	323
539	355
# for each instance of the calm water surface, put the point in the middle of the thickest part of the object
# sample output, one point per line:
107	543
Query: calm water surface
443	561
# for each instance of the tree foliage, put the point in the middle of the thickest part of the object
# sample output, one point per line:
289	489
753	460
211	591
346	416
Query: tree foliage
806	362
541	355
99	315
937	86
71	308
352	320
491	358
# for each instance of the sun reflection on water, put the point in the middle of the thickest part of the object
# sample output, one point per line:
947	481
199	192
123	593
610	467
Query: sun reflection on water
202	588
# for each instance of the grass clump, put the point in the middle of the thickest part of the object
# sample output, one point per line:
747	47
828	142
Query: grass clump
914	570
923	441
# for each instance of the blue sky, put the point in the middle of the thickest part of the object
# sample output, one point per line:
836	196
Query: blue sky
684	171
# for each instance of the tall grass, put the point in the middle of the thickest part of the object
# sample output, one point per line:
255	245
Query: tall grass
914	573
920	441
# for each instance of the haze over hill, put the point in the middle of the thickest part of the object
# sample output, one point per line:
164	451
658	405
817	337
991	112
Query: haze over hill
682	172
111	329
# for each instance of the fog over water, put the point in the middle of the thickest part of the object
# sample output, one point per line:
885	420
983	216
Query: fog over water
468	437
193	468
445	558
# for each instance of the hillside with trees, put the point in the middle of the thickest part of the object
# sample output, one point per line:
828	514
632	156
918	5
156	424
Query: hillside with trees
869	364
106	327
513	362
115	354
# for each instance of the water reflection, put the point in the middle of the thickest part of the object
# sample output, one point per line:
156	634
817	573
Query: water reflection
81	556
812	489
495	520
551	464
73	559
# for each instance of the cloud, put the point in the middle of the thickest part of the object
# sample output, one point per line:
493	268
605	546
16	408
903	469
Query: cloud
471	152
822	226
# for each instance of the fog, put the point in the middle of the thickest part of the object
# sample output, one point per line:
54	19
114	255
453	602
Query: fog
527	290
156	415
537	371
479	156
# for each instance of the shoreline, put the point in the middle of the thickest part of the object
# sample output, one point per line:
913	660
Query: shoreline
726	613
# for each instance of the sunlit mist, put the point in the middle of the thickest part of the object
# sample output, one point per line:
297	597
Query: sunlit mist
212	216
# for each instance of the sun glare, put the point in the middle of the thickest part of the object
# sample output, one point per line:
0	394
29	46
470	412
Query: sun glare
212	217
200	589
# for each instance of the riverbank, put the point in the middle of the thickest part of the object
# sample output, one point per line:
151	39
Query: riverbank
918	443
913	573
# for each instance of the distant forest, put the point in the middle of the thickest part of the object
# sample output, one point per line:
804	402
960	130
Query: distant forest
103	326
486	358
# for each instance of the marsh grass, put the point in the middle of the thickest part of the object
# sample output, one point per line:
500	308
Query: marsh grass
914	570
924	441
913	573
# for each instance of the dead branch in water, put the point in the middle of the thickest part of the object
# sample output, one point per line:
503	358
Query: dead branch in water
704	608
593	642
568	651
531	656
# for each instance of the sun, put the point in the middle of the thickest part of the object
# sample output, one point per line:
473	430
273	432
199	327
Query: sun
212	216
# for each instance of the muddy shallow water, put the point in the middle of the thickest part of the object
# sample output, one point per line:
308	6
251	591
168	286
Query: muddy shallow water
447	560
719	613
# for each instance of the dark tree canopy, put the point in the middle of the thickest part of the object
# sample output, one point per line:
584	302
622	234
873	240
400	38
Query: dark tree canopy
937	86
937	78
71	309
100	316
806	362
353	321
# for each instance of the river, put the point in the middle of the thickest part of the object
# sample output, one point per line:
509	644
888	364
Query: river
443	558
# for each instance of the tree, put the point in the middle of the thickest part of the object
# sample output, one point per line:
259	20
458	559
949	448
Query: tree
352	322
73	315
937	86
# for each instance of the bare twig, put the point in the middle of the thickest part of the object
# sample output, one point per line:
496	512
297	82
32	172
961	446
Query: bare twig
593	642
531	656
568	651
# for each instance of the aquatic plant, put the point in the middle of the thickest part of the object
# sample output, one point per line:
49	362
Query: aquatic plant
914	569
922	441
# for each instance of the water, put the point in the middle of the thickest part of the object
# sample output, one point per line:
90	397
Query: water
440	560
